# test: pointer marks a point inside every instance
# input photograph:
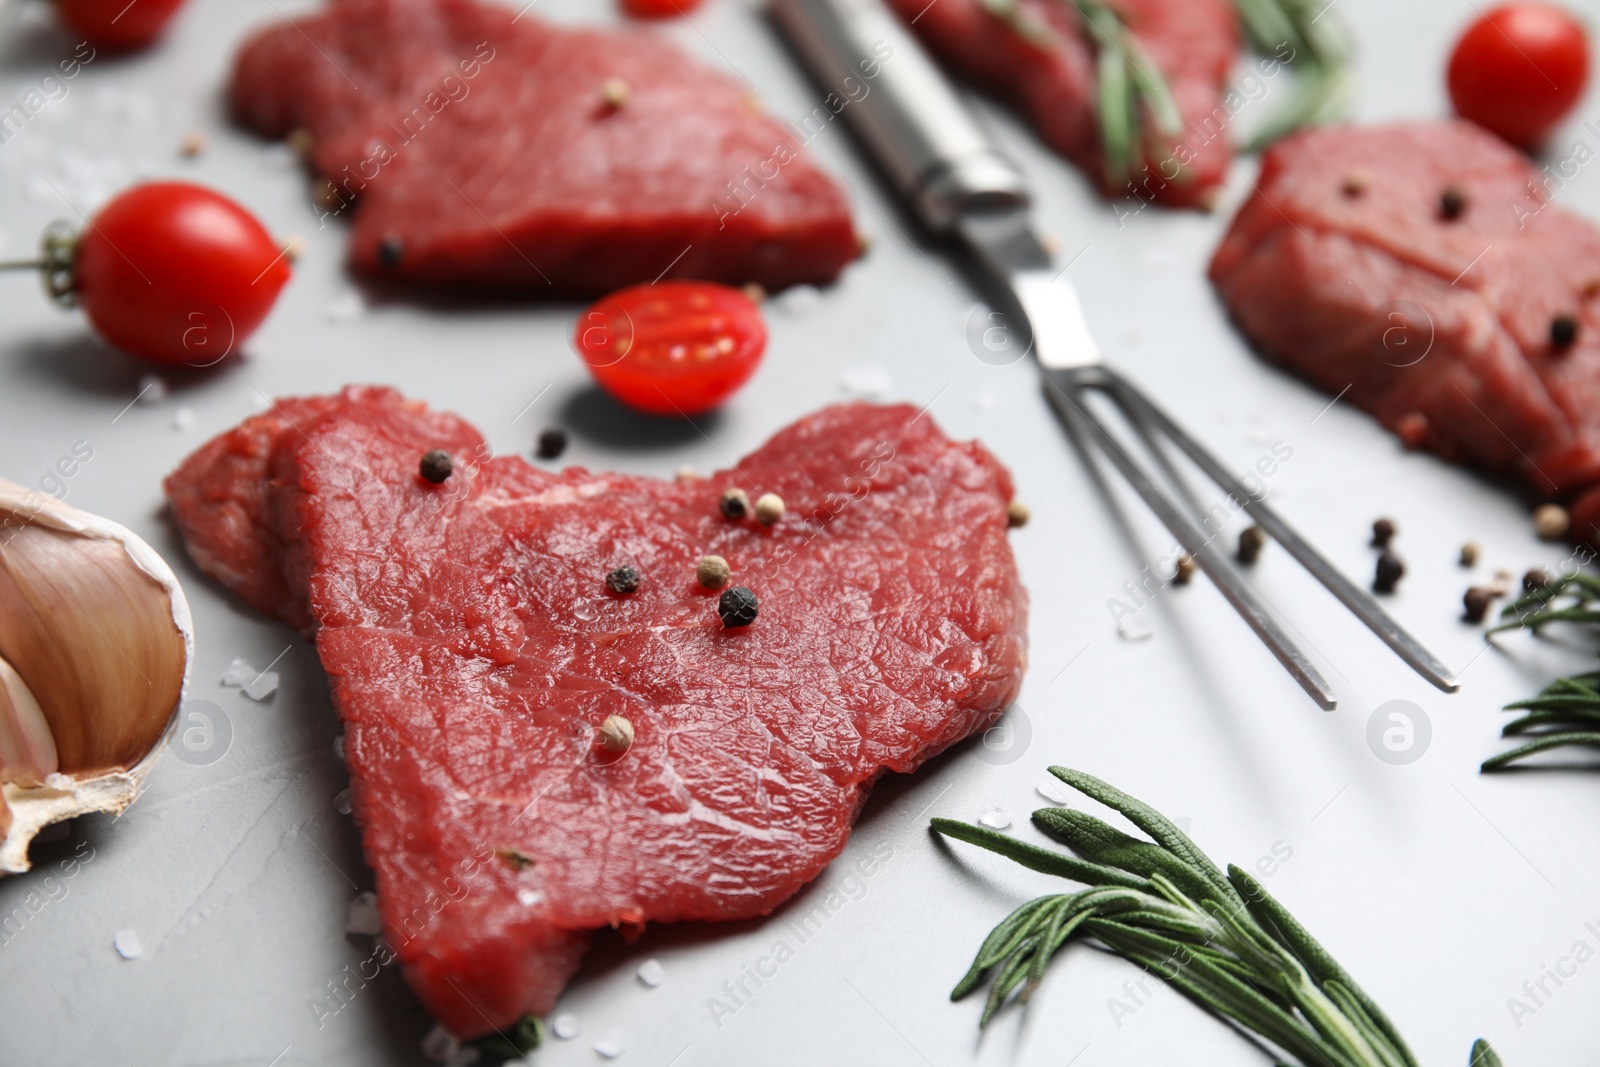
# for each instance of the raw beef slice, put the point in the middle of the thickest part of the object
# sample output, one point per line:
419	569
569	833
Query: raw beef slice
485	151
1194	42
1351	265
473	650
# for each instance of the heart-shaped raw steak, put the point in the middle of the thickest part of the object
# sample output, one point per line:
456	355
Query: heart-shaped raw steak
474	649
483	150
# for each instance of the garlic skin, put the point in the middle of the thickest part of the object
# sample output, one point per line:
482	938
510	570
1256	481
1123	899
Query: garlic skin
96	642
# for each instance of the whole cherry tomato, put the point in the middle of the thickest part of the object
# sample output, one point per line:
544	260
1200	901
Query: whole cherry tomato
174	273
674	348
1519	70
658	9
118	25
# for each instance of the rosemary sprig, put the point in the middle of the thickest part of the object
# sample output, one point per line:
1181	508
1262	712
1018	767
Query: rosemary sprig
1132	91
1321	56
1221	939
1566	712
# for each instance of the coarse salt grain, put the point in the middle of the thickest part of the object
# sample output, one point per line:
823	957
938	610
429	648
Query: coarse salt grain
261	686
651	973
239	672
866	383
362	916
1053	791
994	818
341	802
609	1047
565	1026
126	942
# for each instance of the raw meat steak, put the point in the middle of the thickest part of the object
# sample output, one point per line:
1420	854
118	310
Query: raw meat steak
1194	42
1347	266
477	150
473	650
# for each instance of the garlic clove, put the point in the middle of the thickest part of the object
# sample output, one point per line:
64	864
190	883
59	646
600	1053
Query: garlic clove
95	647
27	748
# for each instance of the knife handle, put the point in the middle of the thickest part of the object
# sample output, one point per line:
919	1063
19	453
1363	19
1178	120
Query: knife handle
924	138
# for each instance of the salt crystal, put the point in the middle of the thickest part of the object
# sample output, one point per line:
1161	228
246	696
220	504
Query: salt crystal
362	916
345	307
529	897
868	383
798	299
994	818
1133	630
238	672
183	418
152	389
61	783
338	746
1053	791
260	402
565	1026
341	802
609	1047
261	686
127	945
651	973
440	1045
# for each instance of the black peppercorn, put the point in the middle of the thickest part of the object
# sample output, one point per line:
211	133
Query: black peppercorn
551	444
391	250
624	579
1383	532
1563	331
1477	601
737	606
1251	541
1452	203
735	504
436	466
1389	572
1538	578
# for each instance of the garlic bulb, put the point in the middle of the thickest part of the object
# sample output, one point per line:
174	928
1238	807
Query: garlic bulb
95	645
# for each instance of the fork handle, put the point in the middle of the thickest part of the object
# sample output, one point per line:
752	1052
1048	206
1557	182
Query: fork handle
923	137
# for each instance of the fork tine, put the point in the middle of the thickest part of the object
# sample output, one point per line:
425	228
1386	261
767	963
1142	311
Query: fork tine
1064	390
1358	600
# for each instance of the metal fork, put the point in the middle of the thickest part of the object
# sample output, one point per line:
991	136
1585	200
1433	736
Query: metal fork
958	183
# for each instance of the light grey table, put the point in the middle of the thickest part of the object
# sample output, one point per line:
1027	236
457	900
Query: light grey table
1444	892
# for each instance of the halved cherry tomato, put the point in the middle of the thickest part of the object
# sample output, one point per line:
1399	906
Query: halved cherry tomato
174	273
118	25
658	9
1519	70
674	347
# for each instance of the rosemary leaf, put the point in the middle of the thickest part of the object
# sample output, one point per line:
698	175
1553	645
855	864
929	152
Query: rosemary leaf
1309	951
1002	942
1483	1055
1217	990
1353	1010
1103	843
1152	822
1035	858
1539	719
1541	744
